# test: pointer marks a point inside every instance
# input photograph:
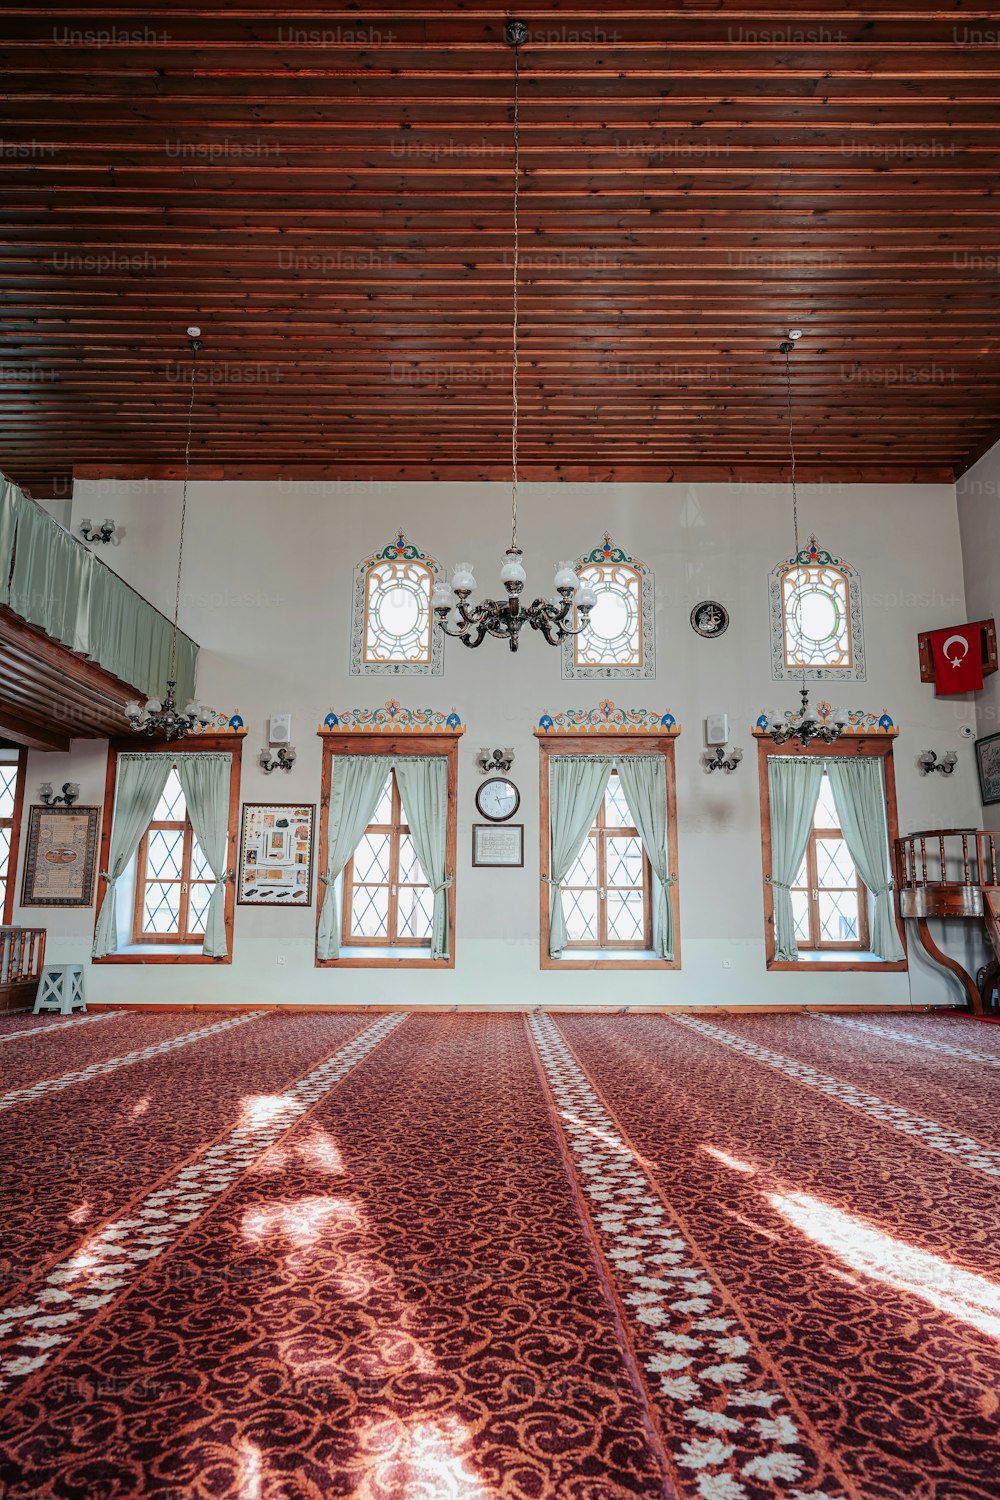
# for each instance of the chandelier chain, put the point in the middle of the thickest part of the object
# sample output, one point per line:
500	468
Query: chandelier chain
184	501
514	321
791	449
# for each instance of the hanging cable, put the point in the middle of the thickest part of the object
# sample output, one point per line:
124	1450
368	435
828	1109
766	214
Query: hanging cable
514	329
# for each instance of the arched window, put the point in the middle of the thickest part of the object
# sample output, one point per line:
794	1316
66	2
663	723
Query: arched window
816	617
393	630
619	639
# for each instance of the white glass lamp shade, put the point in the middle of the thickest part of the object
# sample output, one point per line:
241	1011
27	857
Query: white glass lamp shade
463	577
512	571
442	597
585	598
566	576
85	524
153	705
736	754
192	710
133	709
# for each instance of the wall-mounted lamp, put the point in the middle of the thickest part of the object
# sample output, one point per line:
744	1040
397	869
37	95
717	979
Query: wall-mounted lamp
70	794
494	760
927	761
717	760
106	532
282	759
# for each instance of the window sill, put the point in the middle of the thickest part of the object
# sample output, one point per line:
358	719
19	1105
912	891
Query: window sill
833	959
160	953
607	958
385	958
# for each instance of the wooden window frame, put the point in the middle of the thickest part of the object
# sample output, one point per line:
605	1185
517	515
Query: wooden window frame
394	829
14	823
866	745
396	745
233	746
844	667
617	746
183	880
600	833
860	944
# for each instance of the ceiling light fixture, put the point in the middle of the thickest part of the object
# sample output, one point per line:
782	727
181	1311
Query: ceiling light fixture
163	720
505	618
801	724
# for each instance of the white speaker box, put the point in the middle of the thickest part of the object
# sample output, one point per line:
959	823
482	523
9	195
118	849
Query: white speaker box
716	729
279	730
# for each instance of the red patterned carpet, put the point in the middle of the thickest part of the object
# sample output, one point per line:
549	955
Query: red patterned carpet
452	1257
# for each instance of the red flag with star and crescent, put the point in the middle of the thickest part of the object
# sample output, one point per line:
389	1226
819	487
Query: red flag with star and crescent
958	660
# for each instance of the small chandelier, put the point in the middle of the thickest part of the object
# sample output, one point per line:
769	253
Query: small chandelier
505	618
802	724
161	719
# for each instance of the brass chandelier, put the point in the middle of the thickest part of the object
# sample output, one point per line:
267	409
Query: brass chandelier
505	618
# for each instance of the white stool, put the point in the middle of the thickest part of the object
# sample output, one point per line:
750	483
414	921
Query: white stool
61	988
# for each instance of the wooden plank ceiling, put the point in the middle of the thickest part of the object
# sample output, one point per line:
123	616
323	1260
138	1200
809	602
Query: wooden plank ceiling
326	191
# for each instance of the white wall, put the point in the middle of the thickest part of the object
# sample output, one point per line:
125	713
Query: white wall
268	570
979	518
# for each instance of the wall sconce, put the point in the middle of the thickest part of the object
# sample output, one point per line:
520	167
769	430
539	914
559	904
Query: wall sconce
282	759
70	794
102	534
927	761
716	760
494	760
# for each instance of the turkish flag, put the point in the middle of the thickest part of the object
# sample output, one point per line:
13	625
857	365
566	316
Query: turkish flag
957	655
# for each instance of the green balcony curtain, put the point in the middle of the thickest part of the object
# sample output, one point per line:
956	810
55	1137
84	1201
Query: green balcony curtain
133	639
644	783
793	786
423	791
10	500
141	779
577	784
52	582
858	784
205	779
356	783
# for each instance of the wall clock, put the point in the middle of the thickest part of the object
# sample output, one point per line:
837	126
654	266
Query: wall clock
498	799
709	619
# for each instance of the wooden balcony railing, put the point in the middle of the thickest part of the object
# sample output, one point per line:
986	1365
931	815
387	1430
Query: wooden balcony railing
937	873
22	954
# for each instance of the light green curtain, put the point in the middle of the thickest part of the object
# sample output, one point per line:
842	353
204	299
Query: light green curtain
10	499
356	783
859	796
53	578
423	791
577	784
644	783
205	781
132	639
794	789
141	779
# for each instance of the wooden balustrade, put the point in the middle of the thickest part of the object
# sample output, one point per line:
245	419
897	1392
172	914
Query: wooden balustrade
22	954
938	875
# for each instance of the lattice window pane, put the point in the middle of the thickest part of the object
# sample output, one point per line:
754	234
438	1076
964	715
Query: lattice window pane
834	865
838	916
625	916
164	854
171	807
825	815
398	620
371	858
8	783
383	812
802	877
816	617
624	861
800	910
370	911
161	907
409	865
4	853
584	869
200	868
415	907
616	813
613	637
580	908
199	896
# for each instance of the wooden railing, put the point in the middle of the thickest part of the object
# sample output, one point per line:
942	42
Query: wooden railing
938	861
988	846
22	954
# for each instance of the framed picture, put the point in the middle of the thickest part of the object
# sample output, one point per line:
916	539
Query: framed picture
276	854
988	766
60	857
498	844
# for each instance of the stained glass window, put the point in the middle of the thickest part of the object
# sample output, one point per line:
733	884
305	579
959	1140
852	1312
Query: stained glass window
619	638
816	617
394	630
